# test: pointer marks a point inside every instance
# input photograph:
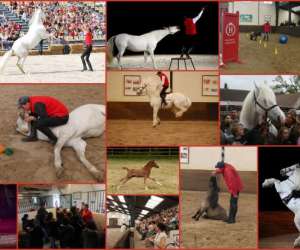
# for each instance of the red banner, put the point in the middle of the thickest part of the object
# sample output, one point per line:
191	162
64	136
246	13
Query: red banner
231	32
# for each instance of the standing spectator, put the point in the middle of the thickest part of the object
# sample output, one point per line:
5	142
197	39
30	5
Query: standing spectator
160	240
267	31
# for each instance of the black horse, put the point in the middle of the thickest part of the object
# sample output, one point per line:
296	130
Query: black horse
210	207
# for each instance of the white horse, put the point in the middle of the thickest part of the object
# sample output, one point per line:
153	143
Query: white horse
177	102
259	105
24	44
284	189
84	122
146	43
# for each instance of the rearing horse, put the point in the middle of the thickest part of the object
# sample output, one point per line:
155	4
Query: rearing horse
24	44
177	102
146	43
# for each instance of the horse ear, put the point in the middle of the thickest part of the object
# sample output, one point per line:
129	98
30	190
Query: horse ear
256	88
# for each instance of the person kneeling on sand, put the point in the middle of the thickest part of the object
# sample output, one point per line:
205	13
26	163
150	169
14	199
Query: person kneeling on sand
43	112
234	185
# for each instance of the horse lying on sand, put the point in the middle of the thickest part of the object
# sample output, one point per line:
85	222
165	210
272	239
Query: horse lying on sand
210	208
143	172
84	122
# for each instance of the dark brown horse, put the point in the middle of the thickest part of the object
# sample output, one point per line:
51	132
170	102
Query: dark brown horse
210	207
140	173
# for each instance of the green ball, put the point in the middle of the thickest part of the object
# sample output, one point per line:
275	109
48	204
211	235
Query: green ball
8	151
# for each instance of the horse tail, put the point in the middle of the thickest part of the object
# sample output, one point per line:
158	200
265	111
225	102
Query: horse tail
112	49
5	59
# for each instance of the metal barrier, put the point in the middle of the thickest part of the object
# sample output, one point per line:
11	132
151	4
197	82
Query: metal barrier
143	151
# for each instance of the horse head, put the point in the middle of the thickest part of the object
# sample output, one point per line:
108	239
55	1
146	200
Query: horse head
153	164
213	184
37	17
173	29
22	126
266	105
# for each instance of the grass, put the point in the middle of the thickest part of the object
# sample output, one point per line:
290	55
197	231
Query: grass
166	174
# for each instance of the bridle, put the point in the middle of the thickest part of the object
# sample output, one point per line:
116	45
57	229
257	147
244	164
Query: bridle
267	110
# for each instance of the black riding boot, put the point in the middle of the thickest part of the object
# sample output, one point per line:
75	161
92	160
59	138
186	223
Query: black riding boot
233	210
89	64
33	134
83	63
188	52
49	134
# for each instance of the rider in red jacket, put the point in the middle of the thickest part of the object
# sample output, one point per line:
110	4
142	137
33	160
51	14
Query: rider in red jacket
44	112
234	185
190	31
165	85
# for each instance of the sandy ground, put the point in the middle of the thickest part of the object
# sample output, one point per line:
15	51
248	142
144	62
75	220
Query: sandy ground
141	132
256	58
55	69
201	62
33	162
166	174
218	234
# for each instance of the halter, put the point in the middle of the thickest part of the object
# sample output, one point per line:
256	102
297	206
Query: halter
267	110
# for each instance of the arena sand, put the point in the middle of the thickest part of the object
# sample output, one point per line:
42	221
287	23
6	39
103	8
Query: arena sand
34	161
207	233
257	59
141	133
55	69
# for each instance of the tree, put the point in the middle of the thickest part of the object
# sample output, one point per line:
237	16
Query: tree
290	86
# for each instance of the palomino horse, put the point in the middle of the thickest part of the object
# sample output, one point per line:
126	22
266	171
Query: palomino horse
285	189
21	46
177	102
143	172
84	122
259	106
210	207
146	43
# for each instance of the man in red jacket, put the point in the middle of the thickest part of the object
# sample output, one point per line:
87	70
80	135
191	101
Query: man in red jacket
85	56
44	112
190	31
165	85
267	31
234	185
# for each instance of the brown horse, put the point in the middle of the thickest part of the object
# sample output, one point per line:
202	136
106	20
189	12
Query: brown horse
140	173
210	207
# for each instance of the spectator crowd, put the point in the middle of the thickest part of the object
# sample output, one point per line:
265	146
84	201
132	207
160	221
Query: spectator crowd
155	229
74	228
64	20
233	132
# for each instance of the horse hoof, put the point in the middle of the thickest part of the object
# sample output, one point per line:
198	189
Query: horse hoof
59	172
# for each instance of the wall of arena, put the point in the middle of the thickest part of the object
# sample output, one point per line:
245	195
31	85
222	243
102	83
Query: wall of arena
57	49
133	107
201	161
259	10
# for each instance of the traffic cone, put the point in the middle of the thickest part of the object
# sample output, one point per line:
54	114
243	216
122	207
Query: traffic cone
265	44
276	51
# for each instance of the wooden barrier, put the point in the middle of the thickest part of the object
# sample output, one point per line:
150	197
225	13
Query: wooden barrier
197	180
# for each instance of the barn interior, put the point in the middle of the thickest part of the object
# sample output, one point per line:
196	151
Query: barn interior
60	216
128	218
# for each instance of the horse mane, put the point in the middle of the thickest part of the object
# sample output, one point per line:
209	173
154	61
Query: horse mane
149	165
34	16
247	110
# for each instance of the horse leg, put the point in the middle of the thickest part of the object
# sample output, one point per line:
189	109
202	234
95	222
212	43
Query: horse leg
57	156
297	224
145	179
80	146
19	65
22	63
269	182
155	120
151	52
157	182
124	181
145	57
119	57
